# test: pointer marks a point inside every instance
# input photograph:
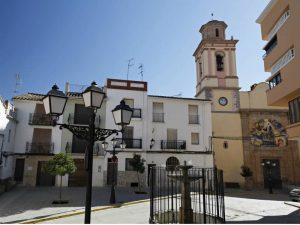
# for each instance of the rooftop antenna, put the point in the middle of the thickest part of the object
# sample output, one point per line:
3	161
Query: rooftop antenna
212	16
128	66
141	67
18	82
178	95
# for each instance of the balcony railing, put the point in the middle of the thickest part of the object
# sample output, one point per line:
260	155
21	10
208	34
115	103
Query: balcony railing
12	113
130	143
40	119
137	113
270	46
279	24
73	119
283	61
98	150
193	119
180	145
158	117
39	148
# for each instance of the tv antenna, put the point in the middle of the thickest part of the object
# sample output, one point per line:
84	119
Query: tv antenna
141	67
18	82
178	95
128	66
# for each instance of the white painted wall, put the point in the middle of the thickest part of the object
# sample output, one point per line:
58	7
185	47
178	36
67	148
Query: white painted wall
7	139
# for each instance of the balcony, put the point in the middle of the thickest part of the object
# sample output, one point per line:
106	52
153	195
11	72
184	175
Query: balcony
279	24
283	61
137	113
40	119
36	148
98	150
82	119
178	145
193	119
158	117
130	143
11	113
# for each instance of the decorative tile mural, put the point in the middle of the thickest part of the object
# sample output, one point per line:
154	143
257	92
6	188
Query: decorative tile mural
267	132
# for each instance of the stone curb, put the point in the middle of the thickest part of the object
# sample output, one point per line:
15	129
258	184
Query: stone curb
295	204
95	209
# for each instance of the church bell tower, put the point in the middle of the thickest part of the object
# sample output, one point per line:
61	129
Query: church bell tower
216	68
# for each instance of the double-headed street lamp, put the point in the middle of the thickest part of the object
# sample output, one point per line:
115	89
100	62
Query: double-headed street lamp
268	165
55	102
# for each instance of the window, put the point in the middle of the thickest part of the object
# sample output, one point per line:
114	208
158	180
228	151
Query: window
128	167
200	68
171	163
217	32
158	112
193	114
271	45
225	144
220	62
195	138
294	110
275	81
129	102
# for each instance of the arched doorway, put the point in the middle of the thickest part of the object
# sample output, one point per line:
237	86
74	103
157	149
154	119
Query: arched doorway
171	163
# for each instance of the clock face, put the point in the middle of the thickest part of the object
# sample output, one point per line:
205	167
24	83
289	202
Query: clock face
223	101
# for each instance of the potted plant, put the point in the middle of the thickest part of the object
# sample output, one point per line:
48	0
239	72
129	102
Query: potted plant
61	164
247	174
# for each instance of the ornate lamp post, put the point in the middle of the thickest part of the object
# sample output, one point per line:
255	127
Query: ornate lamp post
268	165
114	161
55	102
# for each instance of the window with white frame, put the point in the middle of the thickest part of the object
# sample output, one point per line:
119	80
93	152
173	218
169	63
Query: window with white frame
195	138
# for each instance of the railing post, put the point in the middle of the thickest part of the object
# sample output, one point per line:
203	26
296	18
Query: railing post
217	190
203	196
151	219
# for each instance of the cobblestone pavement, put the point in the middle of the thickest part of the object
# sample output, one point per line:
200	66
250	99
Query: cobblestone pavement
241	206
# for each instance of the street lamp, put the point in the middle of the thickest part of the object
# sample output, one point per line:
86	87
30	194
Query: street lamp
268	165
114	161
55	102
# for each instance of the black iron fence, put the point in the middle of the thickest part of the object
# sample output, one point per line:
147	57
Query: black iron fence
39	148
97	150
190	195
40	119
130	143
179	145
137	113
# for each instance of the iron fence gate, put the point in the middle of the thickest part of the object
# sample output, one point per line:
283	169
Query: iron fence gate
194	196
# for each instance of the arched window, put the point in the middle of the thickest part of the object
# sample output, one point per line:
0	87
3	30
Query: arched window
171	163
217	32
220	62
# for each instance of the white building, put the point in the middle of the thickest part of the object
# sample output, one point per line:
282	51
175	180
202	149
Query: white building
36	140
7	136
164	131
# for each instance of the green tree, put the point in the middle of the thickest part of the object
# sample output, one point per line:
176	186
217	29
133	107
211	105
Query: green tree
137	163
60	165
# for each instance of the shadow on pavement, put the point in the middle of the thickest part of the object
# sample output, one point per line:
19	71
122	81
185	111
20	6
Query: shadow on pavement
22	199
262	194
292	218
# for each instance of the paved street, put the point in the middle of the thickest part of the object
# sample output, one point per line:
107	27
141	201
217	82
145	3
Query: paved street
34	203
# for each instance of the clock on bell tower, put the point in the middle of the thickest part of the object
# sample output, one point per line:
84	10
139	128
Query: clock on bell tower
216	68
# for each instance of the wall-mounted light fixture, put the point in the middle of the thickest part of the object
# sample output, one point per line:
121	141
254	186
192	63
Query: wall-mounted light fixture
152	142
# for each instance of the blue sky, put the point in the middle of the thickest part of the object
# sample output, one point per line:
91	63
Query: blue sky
54	41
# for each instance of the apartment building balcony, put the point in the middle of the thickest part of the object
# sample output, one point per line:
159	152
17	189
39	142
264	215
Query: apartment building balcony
41	119
130	143
11	113
97	150
193	119
36	148
158	117
176	145
137	113
270	46
82	119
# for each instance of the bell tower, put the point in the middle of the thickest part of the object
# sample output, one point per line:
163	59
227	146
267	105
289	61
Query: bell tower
216	67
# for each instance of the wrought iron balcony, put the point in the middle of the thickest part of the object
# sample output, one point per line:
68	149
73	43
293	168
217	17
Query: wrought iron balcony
37	148
193	119
130	143
98	150
82	119
40	119
137	113
158	117
11	113
179	145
